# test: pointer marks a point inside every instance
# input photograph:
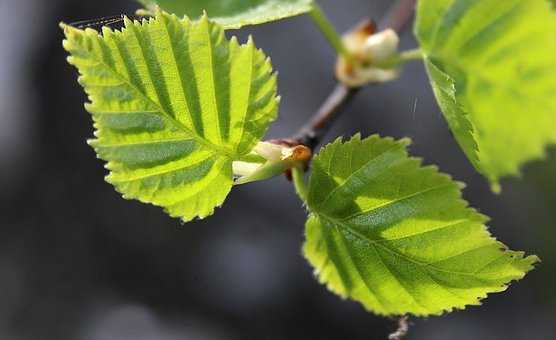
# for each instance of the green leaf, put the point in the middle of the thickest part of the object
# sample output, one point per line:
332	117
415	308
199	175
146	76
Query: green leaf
234	13
493	70
397	236
173	104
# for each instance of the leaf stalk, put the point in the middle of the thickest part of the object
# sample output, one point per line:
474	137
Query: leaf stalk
298	177
325	26
402	58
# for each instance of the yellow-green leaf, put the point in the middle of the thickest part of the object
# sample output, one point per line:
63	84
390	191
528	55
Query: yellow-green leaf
397	236
174	103
492	66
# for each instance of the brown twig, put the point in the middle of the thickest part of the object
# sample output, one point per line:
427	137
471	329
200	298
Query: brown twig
399	16
403	328
334	106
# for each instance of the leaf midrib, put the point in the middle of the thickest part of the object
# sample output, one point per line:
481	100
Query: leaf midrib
353	174
176	66
375	243
211	70
388	268
394	201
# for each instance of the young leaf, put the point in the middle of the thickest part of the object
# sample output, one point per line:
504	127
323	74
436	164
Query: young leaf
173	104
234	13
493	70
397	236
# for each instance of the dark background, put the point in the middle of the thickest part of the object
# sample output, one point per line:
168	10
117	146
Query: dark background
79	262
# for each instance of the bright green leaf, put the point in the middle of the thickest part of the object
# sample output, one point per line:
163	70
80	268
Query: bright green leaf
493	71
234	13
397	236
173	104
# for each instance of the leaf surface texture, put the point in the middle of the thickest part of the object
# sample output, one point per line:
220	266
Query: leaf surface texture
397	236
492	66
174	103
234	13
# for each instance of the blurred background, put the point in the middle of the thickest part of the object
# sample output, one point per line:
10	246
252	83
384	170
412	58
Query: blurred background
79	262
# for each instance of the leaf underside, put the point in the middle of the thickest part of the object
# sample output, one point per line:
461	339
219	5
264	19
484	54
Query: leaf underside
234	13
173	103
493	71
397	236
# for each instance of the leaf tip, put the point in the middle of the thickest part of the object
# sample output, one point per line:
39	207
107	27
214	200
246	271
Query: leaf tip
92	142
106	31
406	141
68	29
127	21
532	261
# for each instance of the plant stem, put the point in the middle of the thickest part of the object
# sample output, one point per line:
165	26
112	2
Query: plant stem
414	54
330	33
402	58
334	106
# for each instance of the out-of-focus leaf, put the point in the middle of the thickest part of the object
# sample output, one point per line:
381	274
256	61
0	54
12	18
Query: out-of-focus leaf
492	66
233	13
